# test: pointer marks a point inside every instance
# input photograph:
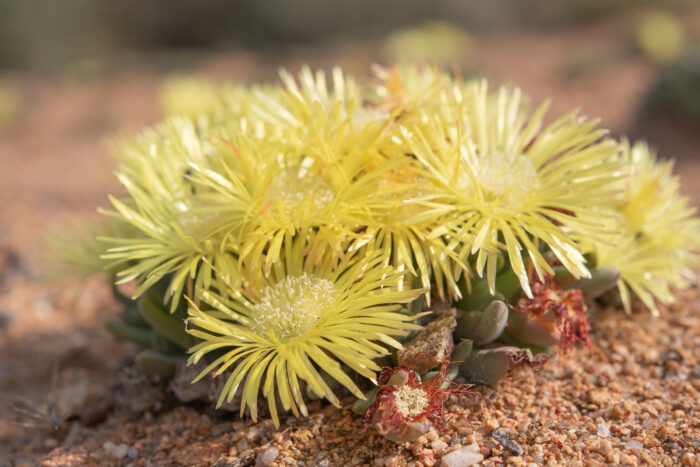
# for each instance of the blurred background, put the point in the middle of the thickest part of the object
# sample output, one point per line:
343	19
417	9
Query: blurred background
76	73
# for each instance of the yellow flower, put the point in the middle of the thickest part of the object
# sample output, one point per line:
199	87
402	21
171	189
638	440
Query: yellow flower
315	165
404	231
515	184
654	237
411	229
174	234
289	193
304	318
404	90
209	196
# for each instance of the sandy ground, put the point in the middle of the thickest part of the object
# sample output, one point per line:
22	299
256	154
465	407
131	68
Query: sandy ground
632	400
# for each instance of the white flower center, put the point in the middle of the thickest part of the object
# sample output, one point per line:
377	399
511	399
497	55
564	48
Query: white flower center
410	401
296	187
508	175
293	306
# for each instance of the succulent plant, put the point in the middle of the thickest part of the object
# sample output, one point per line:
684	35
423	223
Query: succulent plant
490	366
294	239
483	327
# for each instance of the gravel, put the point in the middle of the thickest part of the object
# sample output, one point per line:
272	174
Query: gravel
607	406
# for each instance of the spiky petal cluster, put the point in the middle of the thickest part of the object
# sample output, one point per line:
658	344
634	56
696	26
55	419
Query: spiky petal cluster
302	320
440	175
516	186
654	234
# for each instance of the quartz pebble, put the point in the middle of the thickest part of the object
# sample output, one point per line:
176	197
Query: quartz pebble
632	444
117	451
266	457
438	445
463	457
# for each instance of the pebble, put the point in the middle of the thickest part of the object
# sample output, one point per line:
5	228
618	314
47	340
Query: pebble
266	457
220	428
243	445
438	445
604	447
464	457
431	345
491	424
602	430
632	444
599	398
506	442
117	451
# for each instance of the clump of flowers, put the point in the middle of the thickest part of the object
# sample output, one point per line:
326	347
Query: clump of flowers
292	238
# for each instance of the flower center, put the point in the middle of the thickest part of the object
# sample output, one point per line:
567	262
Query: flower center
510	176
410	401
293	306
296	187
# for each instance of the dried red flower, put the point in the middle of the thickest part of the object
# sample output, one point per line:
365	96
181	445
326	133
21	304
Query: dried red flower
562	310
399	407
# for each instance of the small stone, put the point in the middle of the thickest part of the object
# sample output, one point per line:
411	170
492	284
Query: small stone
431	345
220	428
670	356
427	456
688	458
604	447
60	456
120	451
132	453
506	442
464	457
267	457
438	445
114	450
491	424
633	444
390	461
254	434
599	398
602	430
243	445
